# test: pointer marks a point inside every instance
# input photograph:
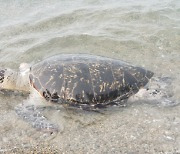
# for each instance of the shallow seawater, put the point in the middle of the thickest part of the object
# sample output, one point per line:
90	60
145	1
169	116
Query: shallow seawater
144	33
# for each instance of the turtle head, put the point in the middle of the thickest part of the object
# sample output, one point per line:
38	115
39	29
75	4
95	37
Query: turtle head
5	79
12	80
158	91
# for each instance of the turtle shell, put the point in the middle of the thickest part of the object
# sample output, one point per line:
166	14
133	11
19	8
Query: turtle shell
87	80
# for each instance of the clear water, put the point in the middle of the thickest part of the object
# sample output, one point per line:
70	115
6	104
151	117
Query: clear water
144	33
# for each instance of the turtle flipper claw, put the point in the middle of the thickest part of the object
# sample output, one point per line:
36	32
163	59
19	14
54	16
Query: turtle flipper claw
31	115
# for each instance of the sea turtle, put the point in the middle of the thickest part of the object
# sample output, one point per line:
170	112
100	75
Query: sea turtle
84	81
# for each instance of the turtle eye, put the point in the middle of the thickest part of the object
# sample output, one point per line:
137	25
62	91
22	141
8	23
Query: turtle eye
2	76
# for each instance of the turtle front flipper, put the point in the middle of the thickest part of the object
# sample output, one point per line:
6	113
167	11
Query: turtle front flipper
33	116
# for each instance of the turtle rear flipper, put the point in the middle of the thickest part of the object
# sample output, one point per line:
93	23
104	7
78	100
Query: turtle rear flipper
158	91
32	115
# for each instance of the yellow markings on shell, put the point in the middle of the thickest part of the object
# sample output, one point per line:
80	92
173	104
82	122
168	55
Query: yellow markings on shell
83	94
60	76
67	89
51	78
123	81
54	83
134	75
62	92
103	86
138	74
75	76
113	85
75	85
54	70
